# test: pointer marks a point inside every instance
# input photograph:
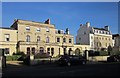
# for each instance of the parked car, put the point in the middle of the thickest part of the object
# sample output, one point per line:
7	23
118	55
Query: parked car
113	58
71	60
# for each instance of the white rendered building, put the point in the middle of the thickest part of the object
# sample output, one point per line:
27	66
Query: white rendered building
97	38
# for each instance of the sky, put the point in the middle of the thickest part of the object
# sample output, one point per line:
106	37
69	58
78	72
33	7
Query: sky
63	14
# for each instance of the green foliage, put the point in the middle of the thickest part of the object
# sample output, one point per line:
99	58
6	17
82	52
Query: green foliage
13	57
103	53
115	53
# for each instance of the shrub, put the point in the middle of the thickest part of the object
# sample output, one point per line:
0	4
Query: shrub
98	53
13	57
115	53
103	53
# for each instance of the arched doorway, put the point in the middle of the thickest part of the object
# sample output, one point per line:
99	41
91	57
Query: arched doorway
69	51
77	51
41	50
52	51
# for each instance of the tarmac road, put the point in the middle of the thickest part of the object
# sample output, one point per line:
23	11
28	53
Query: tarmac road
102	69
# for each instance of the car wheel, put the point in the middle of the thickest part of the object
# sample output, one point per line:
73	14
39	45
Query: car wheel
68	64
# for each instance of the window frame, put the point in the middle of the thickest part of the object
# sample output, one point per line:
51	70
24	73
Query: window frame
58	39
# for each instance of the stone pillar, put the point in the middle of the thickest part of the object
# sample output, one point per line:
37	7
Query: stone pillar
86	54
32	60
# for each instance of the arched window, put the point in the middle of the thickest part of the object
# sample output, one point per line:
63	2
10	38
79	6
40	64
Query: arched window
33	50
77	51
48	50
52	51
27	38
38	38
47	39
28	50
41	50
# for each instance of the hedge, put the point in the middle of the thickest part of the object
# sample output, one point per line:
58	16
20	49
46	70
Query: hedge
115	53
13	57
103	53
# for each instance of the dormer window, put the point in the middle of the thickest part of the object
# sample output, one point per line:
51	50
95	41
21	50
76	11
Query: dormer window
27	28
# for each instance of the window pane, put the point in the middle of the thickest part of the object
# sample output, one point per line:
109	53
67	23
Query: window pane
47	39
6	50
70	40
7	37
27	38
58	39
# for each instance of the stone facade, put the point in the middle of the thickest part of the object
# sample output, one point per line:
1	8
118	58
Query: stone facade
8	40
35	37
116	37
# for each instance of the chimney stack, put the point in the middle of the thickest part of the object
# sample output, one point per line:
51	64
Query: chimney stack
81	25
88	24
48	21
106	28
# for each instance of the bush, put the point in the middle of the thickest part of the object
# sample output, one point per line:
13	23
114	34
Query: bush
13	57
115	53
26	60
98	53
103	53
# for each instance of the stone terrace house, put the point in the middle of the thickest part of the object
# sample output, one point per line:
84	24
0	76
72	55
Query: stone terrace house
36	37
